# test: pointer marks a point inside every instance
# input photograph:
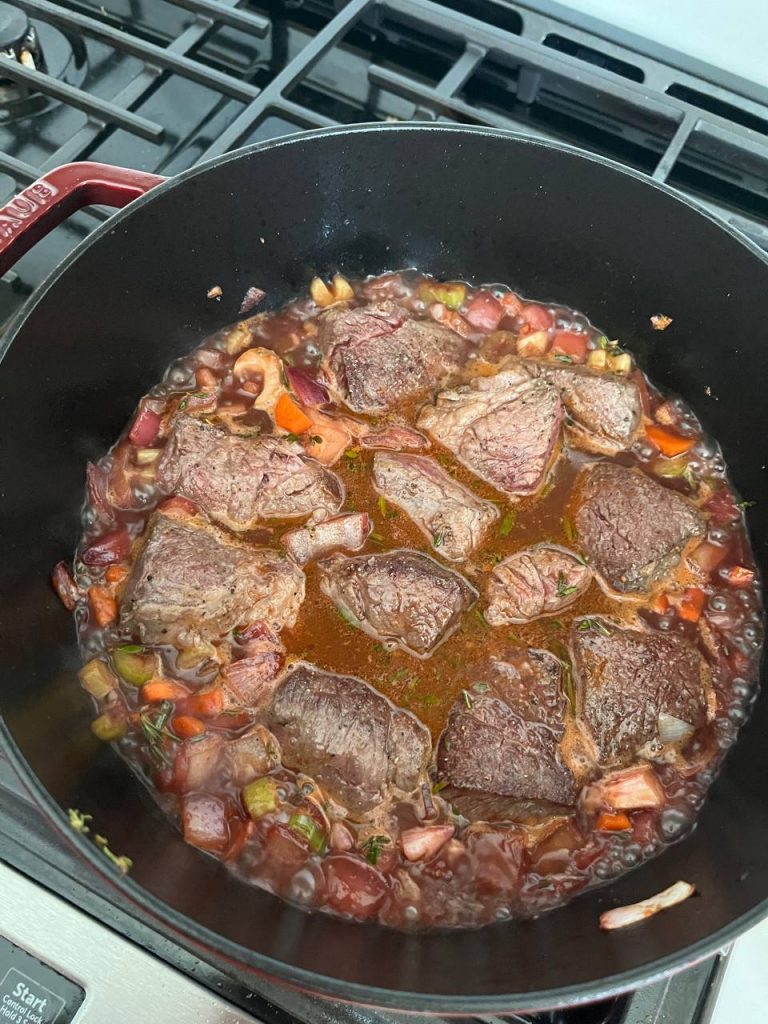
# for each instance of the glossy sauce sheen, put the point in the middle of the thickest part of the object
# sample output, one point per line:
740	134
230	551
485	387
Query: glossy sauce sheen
474	879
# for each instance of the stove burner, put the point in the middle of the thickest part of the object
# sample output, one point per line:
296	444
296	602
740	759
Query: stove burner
19	40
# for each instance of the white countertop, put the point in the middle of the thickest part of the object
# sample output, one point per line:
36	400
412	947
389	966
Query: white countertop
732	36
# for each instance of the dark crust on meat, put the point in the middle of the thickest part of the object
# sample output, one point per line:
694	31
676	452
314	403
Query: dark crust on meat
355	742
377	355
504	740
626	679
190	580
402	596
631	528
504	428
241	481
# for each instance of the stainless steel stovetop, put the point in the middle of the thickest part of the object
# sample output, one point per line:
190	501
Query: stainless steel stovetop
160	85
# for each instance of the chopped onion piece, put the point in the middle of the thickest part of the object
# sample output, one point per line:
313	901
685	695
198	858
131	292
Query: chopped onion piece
626	790
620	917
421	843
672	729
307	388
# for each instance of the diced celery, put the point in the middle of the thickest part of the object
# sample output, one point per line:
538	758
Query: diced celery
451	295
308	829
135	665
97	678
261	796
147	456
109	726
188	657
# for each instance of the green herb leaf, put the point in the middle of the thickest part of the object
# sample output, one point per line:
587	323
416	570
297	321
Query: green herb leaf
548	486
429	700
347	617
480	687
382	503
568	688
563	589
594	624
745	504
372	847
289	358
602	342
379	539
316	439
309	829
508	523
291	437
563	359
351	454
183	403
568	530
123	864
440	786
79	821
467	697
482	619
438	538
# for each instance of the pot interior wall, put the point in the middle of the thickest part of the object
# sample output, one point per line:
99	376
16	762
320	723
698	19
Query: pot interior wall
460	204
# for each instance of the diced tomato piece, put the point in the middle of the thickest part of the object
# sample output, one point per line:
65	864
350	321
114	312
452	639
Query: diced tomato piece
570	343
511	304
668	442
537	317
178	506
204	822
112	547
484	312
65	586
102	606
692	604
145	427
608	822
740	576
353	886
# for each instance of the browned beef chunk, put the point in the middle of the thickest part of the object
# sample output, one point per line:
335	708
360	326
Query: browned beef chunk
537	581
502	736
350	738
504	428
190	580
310	542
400	597
378	355
454	519
605	408
242	481
627	678
631	528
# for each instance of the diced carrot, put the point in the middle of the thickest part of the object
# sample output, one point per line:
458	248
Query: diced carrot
290	416
206	702
102	606
177	505
157	690
739	576
571	344
115	574
205	378
608	822
692	604
660	604
668	442
186	726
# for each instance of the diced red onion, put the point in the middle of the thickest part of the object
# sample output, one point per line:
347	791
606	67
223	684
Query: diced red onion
484	312
620	917
307	389
251	298
113	547
204	822
341	838
672	729
421	843
65	586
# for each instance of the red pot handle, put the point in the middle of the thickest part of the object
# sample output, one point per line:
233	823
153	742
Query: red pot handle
39	207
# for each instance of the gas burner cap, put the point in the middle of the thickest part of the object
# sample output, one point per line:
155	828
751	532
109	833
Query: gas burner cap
14	26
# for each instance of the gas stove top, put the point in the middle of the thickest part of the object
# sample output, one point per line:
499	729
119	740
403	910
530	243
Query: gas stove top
161	86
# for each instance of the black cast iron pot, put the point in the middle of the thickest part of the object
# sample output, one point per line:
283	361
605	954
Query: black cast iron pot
458	202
